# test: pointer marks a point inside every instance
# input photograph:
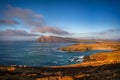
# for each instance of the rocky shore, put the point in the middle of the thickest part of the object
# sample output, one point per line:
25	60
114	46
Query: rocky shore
99	66
97	59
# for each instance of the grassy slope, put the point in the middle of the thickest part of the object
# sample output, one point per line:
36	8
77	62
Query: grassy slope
109	56
98	58
95	46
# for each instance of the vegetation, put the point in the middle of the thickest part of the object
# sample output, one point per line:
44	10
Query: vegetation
103	72
94	46
99	66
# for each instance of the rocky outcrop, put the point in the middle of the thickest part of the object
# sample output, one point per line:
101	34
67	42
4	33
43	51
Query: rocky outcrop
55	39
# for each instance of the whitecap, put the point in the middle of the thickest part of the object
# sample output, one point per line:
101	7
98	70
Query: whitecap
76	59
79	60
80	57
60	51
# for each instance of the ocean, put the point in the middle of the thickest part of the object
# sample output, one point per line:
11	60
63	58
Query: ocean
38	54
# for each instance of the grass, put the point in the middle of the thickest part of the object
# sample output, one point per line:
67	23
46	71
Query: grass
102	72
109	56
94	46
97	58
99	66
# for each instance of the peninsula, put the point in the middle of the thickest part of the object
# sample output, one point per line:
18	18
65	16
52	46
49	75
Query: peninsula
99	66
106	45
113	56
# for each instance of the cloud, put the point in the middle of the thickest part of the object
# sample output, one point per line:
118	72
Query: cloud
17	35
35	21
110	34
12	33
52	30
109	31
26	15
8	22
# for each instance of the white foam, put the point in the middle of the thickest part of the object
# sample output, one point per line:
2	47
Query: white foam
80	56
76	59
60	51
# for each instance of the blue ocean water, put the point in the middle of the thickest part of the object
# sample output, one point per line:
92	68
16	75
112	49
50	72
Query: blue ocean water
38	54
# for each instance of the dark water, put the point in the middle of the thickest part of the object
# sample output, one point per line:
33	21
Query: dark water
38	54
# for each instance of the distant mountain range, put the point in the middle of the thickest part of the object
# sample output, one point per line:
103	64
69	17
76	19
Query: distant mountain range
55	39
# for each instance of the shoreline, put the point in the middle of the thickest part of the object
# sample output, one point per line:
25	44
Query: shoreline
95	46
99	66
86	59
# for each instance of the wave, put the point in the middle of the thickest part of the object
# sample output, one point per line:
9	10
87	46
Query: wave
60	51
76	59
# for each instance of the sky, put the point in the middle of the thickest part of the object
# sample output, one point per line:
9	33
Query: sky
85	19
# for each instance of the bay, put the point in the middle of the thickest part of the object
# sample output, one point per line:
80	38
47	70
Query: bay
38	54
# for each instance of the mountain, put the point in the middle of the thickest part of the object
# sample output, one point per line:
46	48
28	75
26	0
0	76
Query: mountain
55	39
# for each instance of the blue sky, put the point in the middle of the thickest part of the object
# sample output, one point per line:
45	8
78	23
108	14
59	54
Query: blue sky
70	18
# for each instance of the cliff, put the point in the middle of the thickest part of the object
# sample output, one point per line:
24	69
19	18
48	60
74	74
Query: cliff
55	39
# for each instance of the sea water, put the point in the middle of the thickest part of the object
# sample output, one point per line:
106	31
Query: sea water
33	53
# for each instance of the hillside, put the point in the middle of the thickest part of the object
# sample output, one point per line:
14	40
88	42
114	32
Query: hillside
94	46
65	39
55	39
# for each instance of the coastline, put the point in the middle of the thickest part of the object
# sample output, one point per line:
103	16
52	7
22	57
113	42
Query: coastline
100	58
99	66
95	46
